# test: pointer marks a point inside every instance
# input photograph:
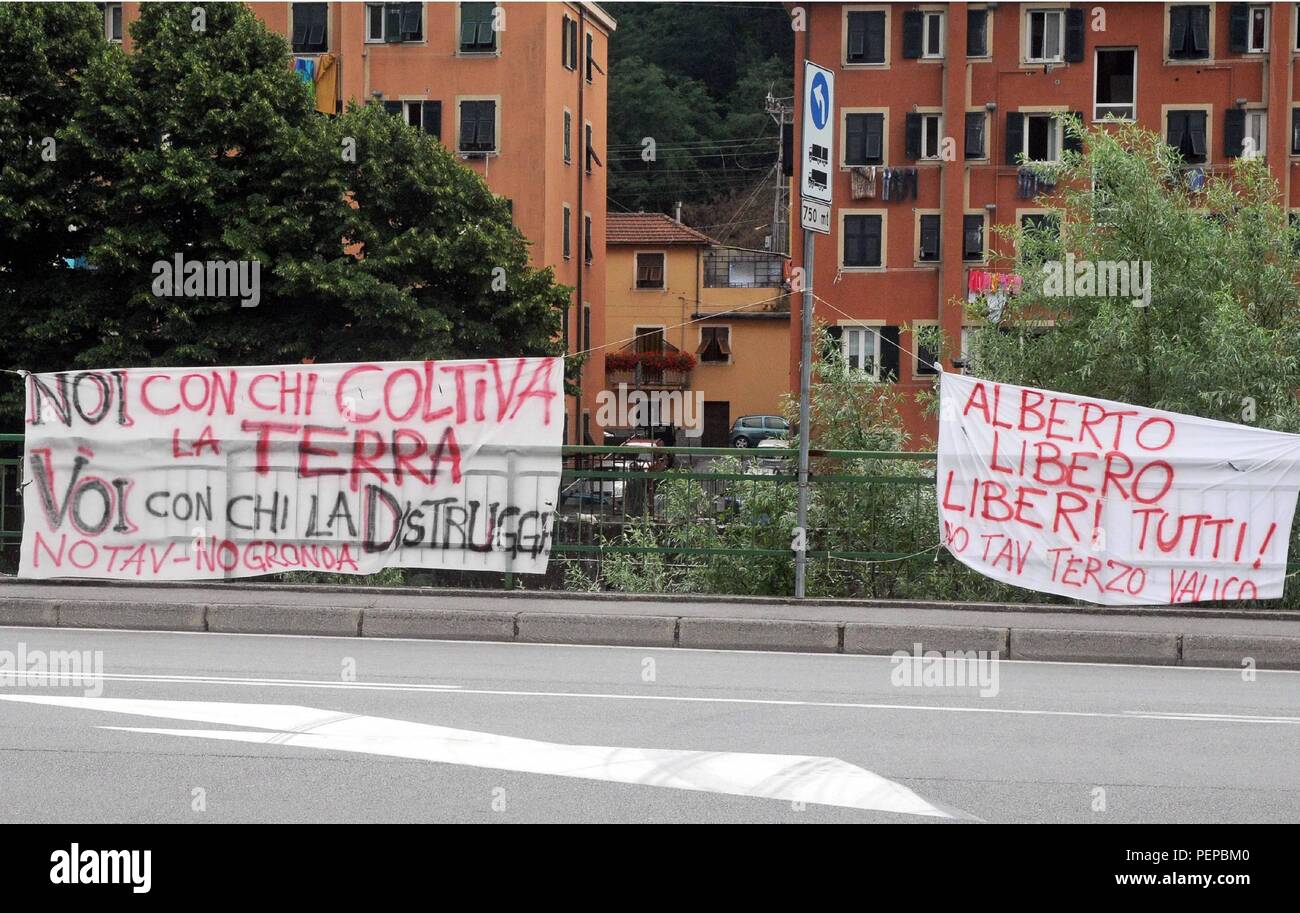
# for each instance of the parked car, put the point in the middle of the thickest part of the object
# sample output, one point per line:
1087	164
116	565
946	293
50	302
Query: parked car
750	429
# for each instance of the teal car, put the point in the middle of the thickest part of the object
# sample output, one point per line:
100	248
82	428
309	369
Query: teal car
748	430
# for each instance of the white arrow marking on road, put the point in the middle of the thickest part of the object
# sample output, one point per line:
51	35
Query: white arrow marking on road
792	778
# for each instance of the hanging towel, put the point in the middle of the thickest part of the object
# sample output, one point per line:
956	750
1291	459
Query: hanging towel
858	182
306	68
885	181
909	183
327	84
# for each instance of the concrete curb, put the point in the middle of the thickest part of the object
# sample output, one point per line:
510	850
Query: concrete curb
759	634
1132	647
1185	648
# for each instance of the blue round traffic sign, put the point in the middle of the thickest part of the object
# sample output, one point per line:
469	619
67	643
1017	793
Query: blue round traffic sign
819	95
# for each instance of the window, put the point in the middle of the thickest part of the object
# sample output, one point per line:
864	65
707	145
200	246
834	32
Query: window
864	139
649	271
976	122
1186	133
923	34
569	43
586	239
1040	222
1295	131
1116	83
310	23
924	134
861	349
977	33
1045	34
927	250
478	126
862	237
476	33
972	237
1189	32
1042	138
931	135
113	20
729	267
866	37
648	339
1254	144
394	22
715	345
1257	29
932	41
568	232
927	359
568	137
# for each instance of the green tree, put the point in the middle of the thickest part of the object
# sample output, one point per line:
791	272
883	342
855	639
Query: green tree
1220	336
373	241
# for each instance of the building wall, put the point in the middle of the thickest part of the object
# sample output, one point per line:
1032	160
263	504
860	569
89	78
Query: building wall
905	291
755	378
533	88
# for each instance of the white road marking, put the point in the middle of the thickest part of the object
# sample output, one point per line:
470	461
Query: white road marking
790	778
1176	716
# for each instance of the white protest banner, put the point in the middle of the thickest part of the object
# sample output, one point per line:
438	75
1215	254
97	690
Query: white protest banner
210	473
1112	503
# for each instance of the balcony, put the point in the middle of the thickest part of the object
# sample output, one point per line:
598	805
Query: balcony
666	368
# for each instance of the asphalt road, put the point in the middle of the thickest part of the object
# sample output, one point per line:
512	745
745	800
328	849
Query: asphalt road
216	728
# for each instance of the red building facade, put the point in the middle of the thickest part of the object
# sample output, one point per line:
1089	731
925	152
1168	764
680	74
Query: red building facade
940	98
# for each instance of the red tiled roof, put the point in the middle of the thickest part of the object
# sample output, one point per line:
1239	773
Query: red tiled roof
649	228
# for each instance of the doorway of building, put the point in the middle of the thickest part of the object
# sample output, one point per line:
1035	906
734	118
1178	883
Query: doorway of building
717	424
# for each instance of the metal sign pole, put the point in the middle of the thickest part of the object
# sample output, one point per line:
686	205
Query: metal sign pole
805	389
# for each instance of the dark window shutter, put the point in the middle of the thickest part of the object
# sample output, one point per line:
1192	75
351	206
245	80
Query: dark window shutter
431	118
875	37
392	22
874	139
913	136
1074	35
1238	27
975	134
393	107
1177	31
1199	20
977	43
564	41
913	25
1070	142
1196	131
1015	135
411	13
1234	132
1176	128
1295	131
854	253
316	34
889	354
857	37
871	241
855	145
300	25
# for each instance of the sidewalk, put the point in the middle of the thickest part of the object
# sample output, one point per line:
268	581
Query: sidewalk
1159	636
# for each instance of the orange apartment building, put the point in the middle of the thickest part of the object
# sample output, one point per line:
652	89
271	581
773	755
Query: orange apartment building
673	290
517	90
991	79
